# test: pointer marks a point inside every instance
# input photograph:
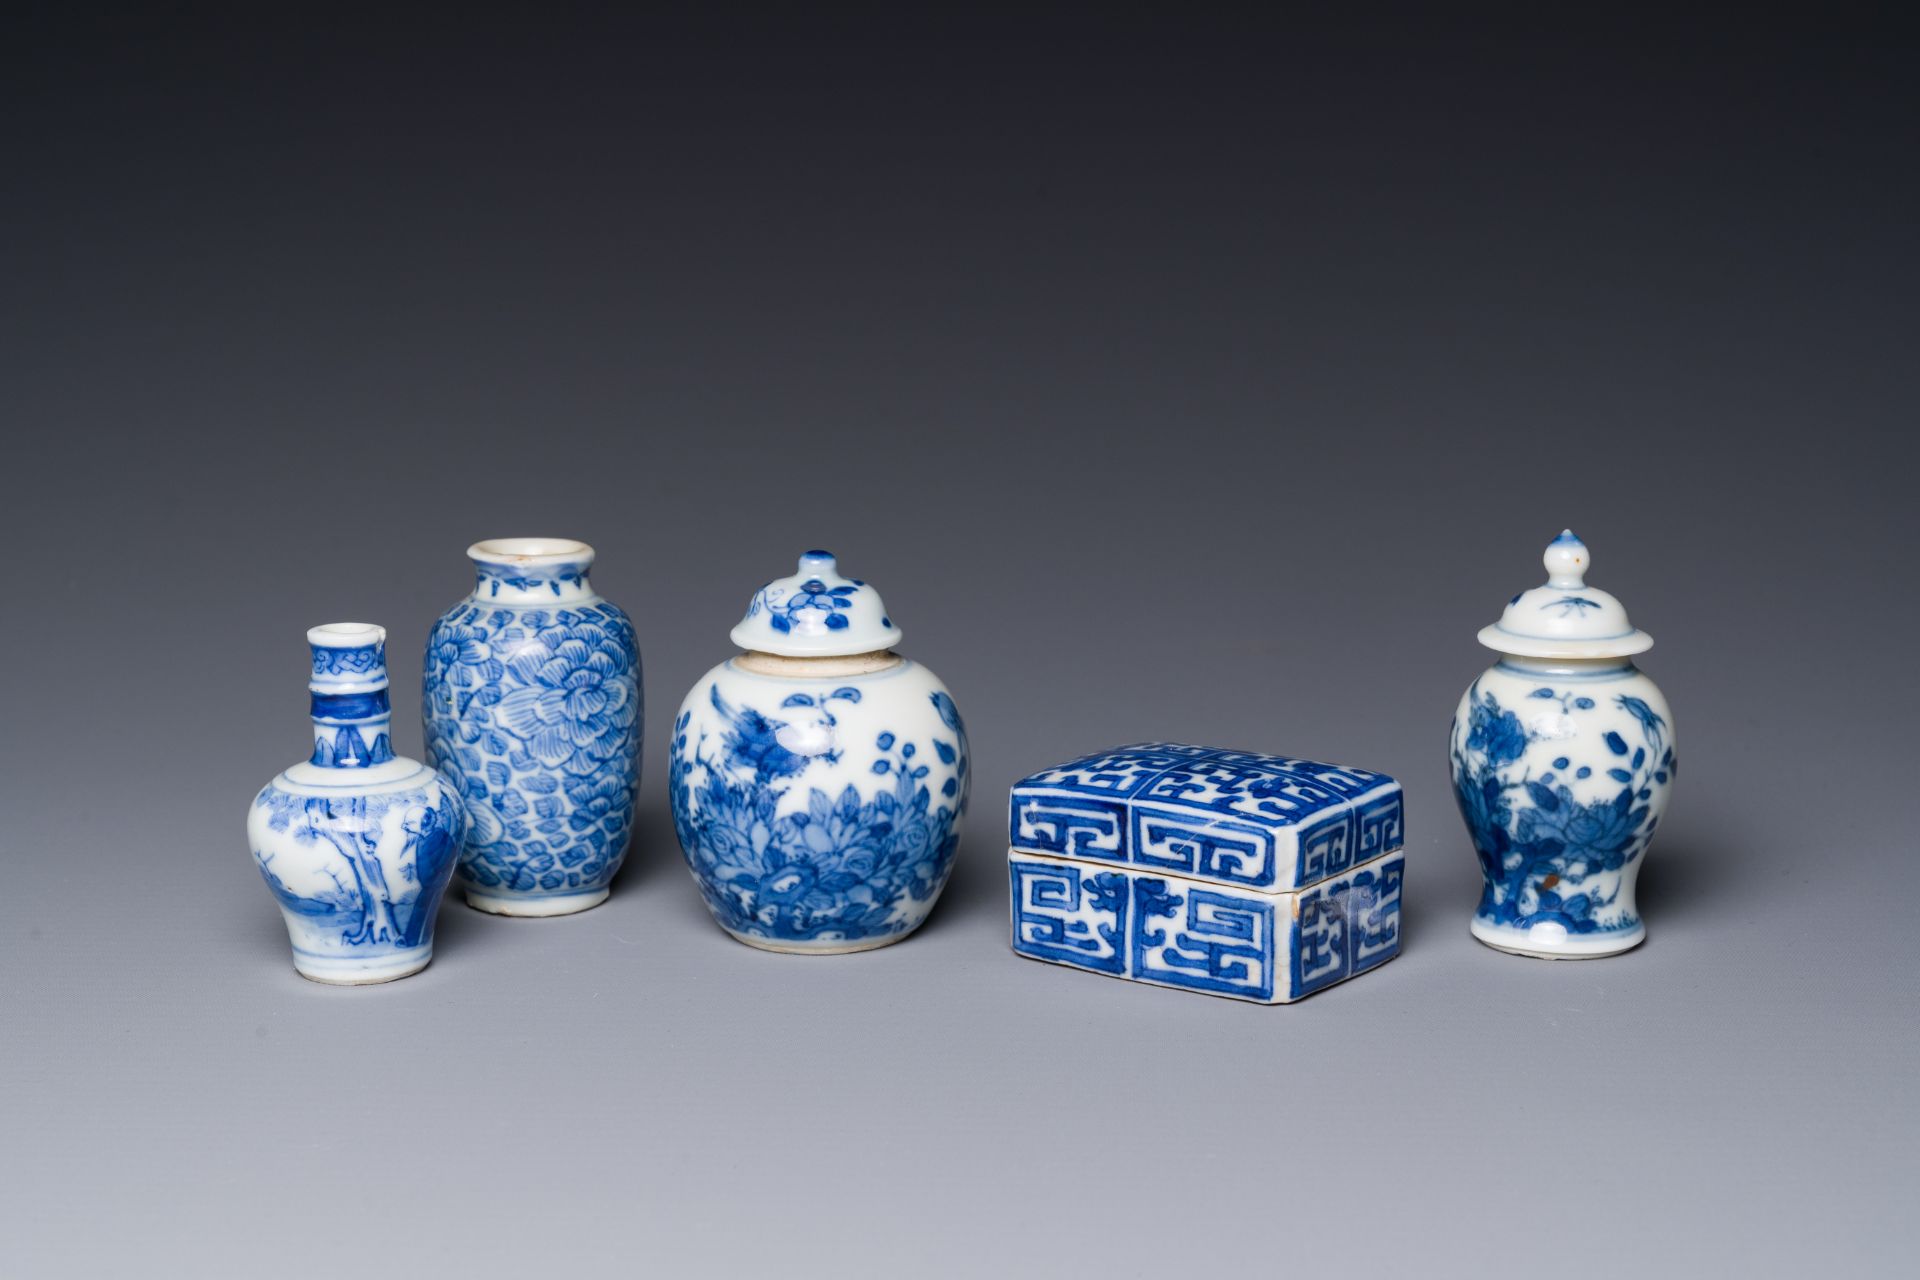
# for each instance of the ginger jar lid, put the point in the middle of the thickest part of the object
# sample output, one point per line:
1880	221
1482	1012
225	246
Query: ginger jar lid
1566	618
816	613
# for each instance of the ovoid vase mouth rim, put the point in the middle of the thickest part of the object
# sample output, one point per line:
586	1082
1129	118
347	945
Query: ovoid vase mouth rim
530	551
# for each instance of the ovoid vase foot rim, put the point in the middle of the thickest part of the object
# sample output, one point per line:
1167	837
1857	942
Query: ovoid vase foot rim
567	904
831	949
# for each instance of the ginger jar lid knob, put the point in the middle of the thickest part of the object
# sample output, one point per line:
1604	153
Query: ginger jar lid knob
817	612
1566	618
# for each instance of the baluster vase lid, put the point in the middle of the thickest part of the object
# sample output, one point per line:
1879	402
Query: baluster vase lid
1565	618
817	612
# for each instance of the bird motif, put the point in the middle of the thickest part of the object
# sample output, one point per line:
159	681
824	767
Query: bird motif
755	740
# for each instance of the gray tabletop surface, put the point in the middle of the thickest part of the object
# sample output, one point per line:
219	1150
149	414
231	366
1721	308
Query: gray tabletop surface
1173	378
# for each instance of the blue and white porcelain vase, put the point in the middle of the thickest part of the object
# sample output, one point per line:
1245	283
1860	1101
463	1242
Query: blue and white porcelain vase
532	704
356	843
818	780
1563	763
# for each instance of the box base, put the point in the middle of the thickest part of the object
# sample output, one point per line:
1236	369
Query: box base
1143	925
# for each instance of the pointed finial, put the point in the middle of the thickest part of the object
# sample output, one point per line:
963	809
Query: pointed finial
1567	561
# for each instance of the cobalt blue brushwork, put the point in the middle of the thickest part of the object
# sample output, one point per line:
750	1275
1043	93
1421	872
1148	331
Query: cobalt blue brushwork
1555	821
349	704
818	781
1175	932
1259	877
1238	817
532	705
356	844
1563	763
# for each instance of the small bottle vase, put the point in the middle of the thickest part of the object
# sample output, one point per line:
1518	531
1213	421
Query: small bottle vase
355	843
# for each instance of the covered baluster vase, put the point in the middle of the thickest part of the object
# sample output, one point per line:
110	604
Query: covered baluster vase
1563	764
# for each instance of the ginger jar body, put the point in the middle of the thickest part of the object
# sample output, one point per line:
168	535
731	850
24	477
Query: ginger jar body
818	781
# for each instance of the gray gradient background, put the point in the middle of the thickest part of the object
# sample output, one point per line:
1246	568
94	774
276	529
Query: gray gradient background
1174	379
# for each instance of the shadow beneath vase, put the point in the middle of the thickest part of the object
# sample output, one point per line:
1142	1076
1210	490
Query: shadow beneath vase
976	887
1682	882
652	849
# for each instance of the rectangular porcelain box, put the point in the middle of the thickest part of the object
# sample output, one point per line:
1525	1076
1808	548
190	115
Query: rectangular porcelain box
1257	877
